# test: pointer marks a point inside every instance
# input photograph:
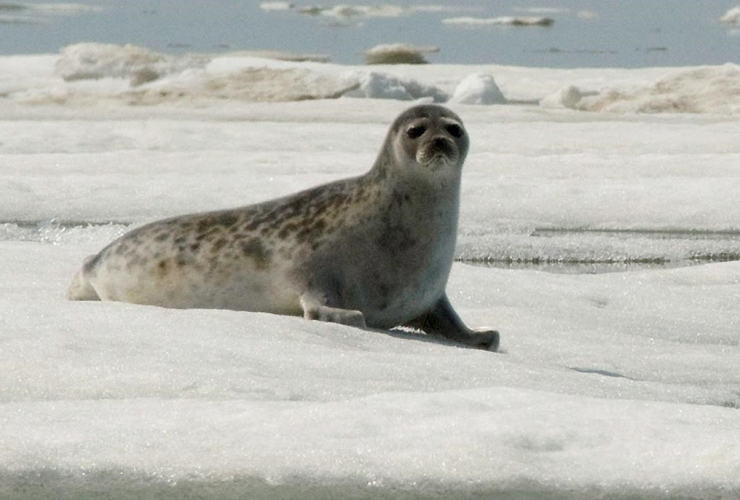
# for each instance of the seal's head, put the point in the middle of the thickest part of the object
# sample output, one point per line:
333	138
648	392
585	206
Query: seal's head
429	136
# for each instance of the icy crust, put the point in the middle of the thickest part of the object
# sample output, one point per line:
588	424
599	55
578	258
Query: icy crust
710	89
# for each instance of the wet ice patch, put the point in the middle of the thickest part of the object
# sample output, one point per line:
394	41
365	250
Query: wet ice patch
57	232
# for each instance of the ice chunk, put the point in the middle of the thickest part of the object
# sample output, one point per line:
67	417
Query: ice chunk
276	6
399	53
732	16
478	88
566	97
473	22
375	85
92	61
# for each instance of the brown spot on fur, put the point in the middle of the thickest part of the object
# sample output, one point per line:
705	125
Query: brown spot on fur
287	230
194	247
226	219
219	244
162	268
257	251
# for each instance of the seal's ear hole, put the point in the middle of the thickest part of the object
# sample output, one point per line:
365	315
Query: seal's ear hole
416	131
455	131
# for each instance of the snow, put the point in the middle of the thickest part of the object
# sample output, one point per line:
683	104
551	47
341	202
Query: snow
619	385
710	89
478	88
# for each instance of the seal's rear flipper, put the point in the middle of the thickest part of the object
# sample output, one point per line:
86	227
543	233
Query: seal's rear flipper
443	320
80	288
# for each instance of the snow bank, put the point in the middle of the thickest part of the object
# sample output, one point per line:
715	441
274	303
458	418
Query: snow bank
140	65
709	89
478	88
732	16
374	85
399	53
472	22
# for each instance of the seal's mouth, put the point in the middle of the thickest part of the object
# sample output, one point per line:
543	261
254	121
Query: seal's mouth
437	150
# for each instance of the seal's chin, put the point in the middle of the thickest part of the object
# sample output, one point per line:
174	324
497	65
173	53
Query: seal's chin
437	153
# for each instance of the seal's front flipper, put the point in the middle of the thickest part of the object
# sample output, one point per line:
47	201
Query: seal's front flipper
315	309
443	320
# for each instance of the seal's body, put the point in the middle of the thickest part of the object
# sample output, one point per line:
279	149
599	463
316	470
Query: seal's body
373	250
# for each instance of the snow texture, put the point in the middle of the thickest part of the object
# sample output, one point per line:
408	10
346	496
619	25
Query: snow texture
617	385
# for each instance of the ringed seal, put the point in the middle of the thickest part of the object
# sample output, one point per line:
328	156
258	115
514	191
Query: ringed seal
369	251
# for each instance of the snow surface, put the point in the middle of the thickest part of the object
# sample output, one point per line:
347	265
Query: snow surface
618	385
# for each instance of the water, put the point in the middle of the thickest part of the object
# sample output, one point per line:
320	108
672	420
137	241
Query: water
586	33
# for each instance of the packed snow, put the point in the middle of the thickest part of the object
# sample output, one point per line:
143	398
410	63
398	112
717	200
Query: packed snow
615	385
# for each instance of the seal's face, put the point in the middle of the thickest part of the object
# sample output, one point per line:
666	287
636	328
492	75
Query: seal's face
430	136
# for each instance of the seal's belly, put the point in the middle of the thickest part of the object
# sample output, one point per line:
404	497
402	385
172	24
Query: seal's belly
165	282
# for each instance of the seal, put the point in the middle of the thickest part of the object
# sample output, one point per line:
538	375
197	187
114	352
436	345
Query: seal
369	251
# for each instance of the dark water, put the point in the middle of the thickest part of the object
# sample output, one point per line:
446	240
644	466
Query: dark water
586	33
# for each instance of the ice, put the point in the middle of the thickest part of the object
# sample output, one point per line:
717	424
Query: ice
140	65
41	13
732	16
473	22
276	6
619	385
711	89
398	53
375	85
478	88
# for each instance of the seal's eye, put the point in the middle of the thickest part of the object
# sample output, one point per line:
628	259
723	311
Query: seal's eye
455	131
416	131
